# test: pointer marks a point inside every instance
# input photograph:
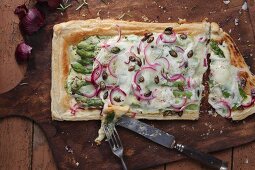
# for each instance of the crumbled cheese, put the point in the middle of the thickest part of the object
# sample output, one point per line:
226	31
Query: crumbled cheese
77	163
244	6
226	2
246	161
236	21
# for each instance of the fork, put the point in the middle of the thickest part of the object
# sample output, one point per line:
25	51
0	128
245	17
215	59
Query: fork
115	142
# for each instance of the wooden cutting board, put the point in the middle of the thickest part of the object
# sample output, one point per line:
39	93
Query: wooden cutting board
72	142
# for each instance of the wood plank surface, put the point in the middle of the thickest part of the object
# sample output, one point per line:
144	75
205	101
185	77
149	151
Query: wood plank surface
42	156
15	144
21	147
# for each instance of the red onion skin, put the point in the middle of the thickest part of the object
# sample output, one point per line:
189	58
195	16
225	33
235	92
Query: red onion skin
111	94
31	20
22	52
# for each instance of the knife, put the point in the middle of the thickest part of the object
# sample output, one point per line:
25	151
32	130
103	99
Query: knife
162	138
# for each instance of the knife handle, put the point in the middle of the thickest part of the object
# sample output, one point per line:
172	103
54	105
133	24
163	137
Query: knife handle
204	158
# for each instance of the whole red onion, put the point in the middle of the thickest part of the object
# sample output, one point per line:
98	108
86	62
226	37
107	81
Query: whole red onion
31	20
23	51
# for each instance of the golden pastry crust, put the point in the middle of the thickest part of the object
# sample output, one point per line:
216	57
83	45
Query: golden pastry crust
237	60
72	32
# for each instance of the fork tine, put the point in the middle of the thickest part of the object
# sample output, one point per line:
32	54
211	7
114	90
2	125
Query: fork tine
117	136
115	139
109	138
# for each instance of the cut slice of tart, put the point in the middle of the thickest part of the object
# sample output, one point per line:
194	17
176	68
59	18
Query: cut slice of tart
231	82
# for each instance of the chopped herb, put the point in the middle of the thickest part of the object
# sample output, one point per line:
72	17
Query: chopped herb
235	107
182	93
63	7
226	94
81	5
192	107
110	116
242	93
216	49
134	105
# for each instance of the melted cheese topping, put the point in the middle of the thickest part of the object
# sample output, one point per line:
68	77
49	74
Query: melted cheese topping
224	88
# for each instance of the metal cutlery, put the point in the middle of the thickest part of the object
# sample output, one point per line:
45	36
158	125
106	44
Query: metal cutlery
114	142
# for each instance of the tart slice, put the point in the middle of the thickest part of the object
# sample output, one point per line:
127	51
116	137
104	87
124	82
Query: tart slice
231	82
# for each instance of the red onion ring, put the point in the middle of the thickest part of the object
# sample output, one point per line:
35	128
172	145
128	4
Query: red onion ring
178	49
176	77
146	57
92	94
96	73
249	104
110	66
188	82
172	38
140	96
119	31
202	39
74	108
226	104
136	76
181	104
115	90
105	45
166	61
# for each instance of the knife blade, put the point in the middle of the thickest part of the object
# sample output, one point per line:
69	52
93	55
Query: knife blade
167	140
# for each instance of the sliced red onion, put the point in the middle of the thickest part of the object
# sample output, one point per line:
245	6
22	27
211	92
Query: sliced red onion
165	61
202	39
74	109
119	31
118	91
105	45
188	82
140	96
249	103
110	66
138	73
22	52
168	38
127	62
146	57
133	114
179	49
96	73
180	104
158	39
183	63
177	77
140	46
227	106
89	91
31	20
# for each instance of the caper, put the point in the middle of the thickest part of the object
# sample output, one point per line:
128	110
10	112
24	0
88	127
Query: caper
131	68
148	34
147	94
156	79
132	58
173	53
198	93
183	36
190	54
168	31
180	114
139	62
115	50
150	39
141	79
102	85
105	95
117	99
104	75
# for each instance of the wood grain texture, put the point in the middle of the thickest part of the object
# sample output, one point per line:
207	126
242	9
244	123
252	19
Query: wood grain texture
243	157
33	100
11	73
15	144
42	156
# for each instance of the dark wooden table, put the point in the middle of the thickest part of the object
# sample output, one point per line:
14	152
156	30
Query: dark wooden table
22	143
